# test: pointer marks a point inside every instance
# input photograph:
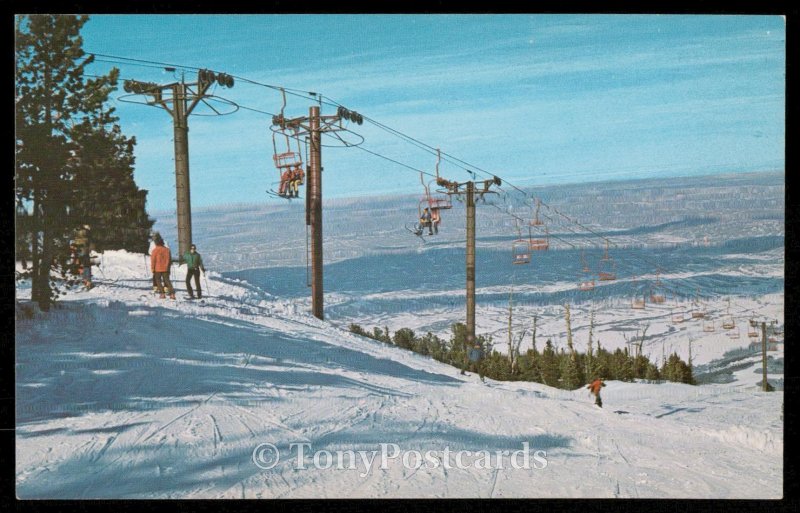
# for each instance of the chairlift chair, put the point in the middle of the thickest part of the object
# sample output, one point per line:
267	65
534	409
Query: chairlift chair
656	297
637	303
540	244
520	248
541	240
677	318
285	160
734	334
420	226
585	283
607	270
520	252
698	312
775	334
728	323
708	326
751	331
441	200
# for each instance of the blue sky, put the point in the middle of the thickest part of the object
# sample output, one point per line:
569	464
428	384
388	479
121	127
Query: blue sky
536	99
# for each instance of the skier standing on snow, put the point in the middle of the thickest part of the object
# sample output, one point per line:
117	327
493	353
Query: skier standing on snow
473	360
594	388
194	264
160	261
156	235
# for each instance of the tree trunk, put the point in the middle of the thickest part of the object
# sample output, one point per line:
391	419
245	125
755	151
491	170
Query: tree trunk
41	284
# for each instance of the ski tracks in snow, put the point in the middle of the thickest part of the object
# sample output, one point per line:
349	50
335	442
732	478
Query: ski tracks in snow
201	445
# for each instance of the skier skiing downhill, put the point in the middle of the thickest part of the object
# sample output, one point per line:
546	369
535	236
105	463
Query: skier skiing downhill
594	388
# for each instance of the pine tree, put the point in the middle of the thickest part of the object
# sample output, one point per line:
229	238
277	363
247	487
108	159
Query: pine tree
622	367
651	374
58	111
457	348
405	338
549	365
106	196
570	372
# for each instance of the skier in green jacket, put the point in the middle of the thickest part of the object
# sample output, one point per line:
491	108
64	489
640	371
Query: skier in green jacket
194	264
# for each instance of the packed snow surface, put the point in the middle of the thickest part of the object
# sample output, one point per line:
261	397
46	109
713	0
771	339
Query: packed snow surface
124	395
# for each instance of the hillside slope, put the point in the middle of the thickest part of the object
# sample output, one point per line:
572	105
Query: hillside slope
122	395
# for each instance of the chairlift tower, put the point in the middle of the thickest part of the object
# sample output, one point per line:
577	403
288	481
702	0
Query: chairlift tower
179	99
313	126
470	192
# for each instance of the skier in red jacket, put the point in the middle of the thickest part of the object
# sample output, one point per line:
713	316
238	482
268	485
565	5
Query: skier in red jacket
160	260
286	178
594	388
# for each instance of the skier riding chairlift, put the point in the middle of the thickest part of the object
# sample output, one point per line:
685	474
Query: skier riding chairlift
288	163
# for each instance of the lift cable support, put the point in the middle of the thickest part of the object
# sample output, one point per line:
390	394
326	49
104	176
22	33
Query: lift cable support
179	99
314	126
468	190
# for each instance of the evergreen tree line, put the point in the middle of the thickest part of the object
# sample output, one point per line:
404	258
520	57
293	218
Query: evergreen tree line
556	368
73	164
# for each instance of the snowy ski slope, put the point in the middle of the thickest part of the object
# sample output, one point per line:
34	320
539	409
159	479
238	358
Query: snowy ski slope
123	395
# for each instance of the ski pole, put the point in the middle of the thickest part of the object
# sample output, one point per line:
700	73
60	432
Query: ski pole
208	291
100	268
